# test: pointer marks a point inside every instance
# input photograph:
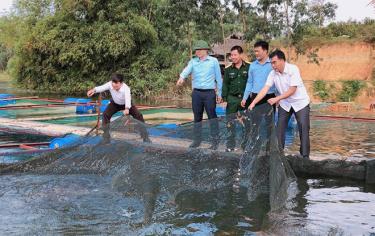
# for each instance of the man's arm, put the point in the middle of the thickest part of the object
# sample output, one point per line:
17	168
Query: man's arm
259	97
99	89
185	73
225	89
219	81
128	100
249	87
288	93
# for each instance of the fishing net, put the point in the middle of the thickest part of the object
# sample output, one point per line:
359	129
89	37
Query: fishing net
176	179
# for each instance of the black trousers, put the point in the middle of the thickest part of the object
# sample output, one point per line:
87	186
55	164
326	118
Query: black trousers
204	99
303	122
112	108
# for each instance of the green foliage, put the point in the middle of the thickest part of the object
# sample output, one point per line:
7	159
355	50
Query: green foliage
350	90
153	72
321	89
71	55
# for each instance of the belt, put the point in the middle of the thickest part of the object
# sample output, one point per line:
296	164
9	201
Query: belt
204	90
239	95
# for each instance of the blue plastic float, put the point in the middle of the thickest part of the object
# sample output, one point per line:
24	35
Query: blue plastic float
66	141
73	139
220	111
6	96
104	105
82	108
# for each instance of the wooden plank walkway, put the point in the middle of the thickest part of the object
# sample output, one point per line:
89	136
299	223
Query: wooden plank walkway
33	127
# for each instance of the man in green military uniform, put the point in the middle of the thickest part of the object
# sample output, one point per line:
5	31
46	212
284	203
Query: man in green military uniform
234	84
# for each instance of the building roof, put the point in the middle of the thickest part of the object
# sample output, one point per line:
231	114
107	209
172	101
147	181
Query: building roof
231	41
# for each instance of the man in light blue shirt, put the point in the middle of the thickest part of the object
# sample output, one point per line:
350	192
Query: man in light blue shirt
257	77
206	74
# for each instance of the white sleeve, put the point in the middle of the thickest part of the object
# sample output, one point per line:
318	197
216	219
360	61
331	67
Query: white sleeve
270	79
295	77
128	101
103	87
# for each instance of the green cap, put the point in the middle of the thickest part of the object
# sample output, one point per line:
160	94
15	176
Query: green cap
200	44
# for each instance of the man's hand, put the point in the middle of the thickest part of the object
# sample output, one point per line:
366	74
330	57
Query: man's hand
252	105
90	92
126	112
272	101
219	99
180	82
243	103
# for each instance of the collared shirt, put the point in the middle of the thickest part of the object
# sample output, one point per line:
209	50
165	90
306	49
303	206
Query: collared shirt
258	74
120	97
283	81
235	79
204	72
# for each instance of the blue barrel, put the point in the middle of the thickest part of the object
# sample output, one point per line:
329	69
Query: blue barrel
66	141
104	105
85	109
6	96
70	100
220	111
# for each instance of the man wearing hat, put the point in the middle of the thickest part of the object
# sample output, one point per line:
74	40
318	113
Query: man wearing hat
206	76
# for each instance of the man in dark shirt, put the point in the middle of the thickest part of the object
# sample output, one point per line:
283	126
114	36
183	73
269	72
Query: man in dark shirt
234	84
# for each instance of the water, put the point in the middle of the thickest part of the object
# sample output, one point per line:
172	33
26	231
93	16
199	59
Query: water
343	138
89	205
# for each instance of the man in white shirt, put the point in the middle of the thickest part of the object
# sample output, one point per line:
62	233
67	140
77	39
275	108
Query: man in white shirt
121	101
293	98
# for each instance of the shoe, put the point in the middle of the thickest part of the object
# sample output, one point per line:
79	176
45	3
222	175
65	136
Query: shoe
195	144
306	157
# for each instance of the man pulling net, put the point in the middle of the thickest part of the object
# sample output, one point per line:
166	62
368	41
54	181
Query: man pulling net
121	101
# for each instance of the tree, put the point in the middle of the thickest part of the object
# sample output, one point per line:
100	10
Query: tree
321	11
81	45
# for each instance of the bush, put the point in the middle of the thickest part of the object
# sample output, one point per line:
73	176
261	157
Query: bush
321	90
69	56
350	90
154	72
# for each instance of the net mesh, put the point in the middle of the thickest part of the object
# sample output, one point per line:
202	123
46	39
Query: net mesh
157	165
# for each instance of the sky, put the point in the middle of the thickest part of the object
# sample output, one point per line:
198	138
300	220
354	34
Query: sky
347	9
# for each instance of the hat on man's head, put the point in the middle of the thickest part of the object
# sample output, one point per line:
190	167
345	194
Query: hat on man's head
200	44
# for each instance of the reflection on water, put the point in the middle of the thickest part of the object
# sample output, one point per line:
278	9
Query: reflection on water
342	137
87	204
328	207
